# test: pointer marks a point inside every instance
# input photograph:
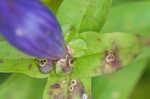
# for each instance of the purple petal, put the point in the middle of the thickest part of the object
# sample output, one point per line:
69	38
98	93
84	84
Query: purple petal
32	28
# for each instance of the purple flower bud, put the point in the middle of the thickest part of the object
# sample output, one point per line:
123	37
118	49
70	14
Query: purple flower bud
32	28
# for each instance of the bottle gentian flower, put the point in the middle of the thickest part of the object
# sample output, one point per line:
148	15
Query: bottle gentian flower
32	28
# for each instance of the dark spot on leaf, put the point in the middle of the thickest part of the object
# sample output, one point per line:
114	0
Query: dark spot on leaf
30	66
66	64
74	82
139	36
71	29
76	89
1	61
111	61
148	43
135	55
47	68
45	65
55	86
99	39
42	62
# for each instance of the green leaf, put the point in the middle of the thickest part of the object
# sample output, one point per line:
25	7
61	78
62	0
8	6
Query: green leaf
84	15
12	60
134	19
53	4
22	87
118	85
95	15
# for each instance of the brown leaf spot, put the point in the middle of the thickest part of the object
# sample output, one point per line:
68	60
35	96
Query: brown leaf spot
135	55
148	43
76	89
55	86
1	61
99	39
111	61
139	36
42	62
66	64
30	66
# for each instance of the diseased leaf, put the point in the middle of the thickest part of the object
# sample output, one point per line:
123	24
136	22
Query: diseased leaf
102	53
129	18
22	87
80	88
118	85
107	53
56	87
12	60
84	15
67	87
